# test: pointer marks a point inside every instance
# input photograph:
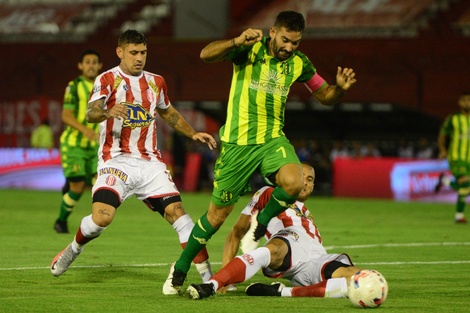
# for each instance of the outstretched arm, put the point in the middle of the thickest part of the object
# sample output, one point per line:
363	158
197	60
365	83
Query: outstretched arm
218	51
176	121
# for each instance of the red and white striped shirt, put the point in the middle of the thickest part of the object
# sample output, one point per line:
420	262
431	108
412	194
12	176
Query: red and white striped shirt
297	215
137	135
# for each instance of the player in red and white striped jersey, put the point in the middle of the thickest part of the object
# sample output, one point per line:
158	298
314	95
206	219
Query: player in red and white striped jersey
125	101
294	251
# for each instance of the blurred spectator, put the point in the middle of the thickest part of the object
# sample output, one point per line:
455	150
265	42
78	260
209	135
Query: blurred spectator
338	150
302	150
405	149
43	136
370	150
424	150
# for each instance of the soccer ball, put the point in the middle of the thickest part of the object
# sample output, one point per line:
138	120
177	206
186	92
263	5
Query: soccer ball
367	289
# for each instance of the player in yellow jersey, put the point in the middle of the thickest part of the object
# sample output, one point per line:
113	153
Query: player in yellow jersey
264	68
79	140
454	144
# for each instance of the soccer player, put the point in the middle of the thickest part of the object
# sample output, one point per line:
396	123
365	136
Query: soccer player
454	144
124	102
264	68
79	140
294	251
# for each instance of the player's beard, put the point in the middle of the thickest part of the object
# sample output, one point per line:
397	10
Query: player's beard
279	53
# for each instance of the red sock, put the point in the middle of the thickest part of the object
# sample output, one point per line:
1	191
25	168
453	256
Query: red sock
317	290
233	272
80	239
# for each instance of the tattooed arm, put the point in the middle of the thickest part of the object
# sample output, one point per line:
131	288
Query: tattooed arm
96	112
176	121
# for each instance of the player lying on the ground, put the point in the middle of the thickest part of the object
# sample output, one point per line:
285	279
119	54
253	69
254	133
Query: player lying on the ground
294	251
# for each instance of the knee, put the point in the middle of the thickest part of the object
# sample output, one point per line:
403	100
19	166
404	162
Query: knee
278	251
102	214
292	185
290	179
217	215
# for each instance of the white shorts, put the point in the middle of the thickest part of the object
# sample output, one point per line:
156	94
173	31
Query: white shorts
128	176
308	260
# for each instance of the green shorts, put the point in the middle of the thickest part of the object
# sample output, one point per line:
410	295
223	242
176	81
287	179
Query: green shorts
236	164
459	168
79	162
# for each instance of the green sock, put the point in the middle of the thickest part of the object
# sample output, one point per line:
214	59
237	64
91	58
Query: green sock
200	235
461	201
454	185
68	203
463	191
277	204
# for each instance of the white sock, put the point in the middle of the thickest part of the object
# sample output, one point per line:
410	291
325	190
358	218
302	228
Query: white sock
459	215
89	229
204	269
183	227
255	260
216	284
336	288
286	292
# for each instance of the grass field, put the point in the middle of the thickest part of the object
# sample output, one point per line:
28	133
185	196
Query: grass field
416	246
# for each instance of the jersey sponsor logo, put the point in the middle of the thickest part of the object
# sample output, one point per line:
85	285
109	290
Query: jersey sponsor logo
270	84
138	116
125	87
114	172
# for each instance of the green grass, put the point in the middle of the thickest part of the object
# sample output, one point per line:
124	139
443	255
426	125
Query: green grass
416	246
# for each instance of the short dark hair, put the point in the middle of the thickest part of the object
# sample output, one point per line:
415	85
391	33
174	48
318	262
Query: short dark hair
88	52
291	20
132	36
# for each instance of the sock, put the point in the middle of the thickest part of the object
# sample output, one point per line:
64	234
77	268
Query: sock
183	227
287	291
330	288
68	203
460	206
200	235
87	231
242	267
66	187
336	288
277	204
316	290
204	269
454	185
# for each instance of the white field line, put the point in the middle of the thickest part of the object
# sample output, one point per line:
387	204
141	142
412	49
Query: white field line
391	245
